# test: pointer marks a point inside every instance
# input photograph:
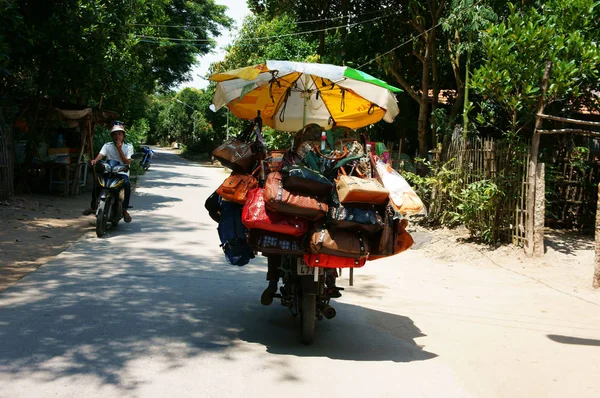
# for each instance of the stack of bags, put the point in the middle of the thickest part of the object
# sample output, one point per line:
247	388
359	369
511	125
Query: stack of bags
328	206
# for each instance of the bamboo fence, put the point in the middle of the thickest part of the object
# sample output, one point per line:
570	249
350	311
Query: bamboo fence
479	159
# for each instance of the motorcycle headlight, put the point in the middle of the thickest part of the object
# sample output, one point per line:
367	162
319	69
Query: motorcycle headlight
119	168
107	167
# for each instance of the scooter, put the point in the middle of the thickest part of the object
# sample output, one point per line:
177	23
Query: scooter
146	157
110	198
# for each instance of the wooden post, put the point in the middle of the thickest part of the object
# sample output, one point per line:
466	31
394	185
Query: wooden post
75	185
596	281
539	216
535	147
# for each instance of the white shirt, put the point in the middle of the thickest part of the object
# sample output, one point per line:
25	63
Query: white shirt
110	152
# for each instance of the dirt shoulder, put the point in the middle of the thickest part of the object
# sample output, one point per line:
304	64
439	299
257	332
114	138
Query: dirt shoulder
36	228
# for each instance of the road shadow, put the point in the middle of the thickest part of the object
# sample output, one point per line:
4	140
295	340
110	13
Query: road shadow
574	340
355	334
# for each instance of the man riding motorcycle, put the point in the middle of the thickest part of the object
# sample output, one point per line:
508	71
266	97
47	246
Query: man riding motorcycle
121	152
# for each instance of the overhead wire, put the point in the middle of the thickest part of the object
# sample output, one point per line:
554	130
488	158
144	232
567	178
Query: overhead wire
297	22
179	39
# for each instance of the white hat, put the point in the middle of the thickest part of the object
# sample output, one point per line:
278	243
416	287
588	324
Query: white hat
117	127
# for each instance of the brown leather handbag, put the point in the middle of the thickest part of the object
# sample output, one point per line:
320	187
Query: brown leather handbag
346	243
385	243
361	190
277	199
235	188
242	152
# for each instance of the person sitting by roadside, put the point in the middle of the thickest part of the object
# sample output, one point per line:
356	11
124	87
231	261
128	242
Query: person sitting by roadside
121	152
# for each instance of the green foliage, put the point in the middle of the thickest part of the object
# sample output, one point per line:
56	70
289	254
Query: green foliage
277	140
262	38
138	133
135	168
475	209
435	189
561	31
82	51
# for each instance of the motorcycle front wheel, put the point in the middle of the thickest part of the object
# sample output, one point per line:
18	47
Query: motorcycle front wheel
308	317
101	218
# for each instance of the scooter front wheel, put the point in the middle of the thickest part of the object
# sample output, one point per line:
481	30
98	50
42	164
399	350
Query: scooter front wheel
101	219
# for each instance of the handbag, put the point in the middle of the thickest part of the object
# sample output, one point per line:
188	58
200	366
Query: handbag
328	261
278	199
403	242
242	152
402	195
346	243
360	190
235	188
213	205
256	216
345	217
384	243
268	242
302	179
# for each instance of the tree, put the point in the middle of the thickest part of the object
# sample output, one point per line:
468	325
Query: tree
563	32
463	25
106	52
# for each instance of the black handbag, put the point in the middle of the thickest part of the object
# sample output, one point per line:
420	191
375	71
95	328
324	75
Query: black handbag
300	178
346	217
213	205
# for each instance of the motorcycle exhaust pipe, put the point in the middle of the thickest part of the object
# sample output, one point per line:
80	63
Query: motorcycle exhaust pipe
327	310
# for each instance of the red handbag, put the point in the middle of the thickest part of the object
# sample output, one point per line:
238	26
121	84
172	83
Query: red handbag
256	216
328	261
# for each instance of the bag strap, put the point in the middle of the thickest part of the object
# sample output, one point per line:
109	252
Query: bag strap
343	155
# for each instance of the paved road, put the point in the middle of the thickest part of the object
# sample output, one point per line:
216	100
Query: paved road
153	310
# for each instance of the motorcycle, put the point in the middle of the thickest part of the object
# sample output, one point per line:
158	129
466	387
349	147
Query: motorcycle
111	195
146	157
306	293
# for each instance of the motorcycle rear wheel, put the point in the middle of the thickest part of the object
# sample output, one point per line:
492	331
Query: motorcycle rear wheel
101	219
308	317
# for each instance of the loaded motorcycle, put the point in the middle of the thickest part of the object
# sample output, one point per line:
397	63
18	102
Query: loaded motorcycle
111	195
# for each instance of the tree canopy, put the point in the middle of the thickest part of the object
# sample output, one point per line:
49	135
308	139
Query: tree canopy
102	51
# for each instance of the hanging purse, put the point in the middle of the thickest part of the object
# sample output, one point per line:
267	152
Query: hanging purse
278	199
213	205
302	179
242	152
403	242
345	217
235	188
256	216
346	243
328	261
268	242
360	190
384	243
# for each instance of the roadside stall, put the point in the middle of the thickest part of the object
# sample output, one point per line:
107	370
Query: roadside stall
53	146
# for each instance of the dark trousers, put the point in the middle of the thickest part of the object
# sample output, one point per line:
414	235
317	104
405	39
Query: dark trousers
126	188
273	264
